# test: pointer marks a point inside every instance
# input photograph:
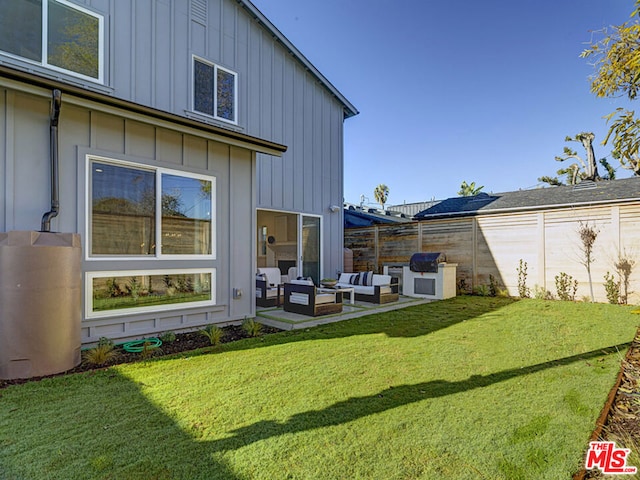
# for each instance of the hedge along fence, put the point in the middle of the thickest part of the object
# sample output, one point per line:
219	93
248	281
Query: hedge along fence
493	244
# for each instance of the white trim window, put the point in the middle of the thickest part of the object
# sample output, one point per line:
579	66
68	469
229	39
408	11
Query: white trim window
215	91
140	211
57	34
125	292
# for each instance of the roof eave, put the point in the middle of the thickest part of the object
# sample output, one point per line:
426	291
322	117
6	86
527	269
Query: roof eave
258	144
475	213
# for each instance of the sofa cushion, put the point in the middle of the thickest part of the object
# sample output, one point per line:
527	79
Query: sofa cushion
299	298
345	277
355	279
302	282
366	279
381	280
325	298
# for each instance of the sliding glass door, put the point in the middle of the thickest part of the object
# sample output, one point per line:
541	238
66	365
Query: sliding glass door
310	248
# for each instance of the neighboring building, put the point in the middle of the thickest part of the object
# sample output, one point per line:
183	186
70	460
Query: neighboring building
410	209
356	216
179	119
489	235
586	193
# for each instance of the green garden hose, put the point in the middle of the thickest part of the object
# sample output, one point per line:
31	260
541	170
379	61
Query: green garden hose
138	346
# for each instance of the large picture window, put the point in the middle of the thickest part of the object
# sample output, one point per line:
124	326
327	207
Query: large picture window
149	212
126	292
55	33
214	91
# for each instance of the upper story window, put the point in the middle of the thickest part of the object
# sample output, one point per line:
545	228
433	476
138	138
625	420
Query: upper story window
214	91
54	33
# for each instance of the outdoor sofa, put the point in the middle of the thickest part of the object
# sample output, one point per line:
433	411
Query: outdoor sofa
371	287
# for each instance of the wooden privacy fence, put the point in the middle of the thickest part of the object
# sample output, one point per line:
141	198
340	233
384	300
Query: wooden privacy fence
493	244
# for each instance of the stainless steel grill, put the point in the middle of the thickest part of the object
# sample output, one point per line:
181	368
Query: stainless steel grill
426	261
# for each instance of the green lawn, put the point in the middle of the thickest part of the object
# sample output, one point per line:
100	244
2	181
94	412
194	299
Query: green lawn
468	388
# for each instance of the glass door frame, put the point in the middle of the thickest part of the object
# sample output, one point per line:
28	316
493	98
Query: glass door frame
301	262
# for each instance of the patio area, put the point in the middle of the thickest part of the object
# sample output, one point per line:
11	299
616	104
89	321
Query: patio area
278	318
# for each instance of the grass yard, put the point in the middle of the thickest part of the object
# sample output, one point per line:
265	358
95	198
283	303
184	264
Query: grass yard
468	388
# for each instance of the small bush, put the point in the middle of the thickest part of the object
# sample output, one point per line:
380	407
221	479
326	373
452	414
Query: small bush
493	286
540	293
624	266
252	327
168	337
100	354
482	290
566	287
503	293
461	287
213	333
149	350
612	288
523	290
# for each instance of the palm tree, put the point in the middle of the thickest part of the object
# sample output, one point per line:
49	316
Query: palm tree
468	190
381	193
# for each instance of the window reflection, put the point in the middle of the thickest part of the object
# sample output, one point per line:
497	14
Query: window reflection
186	215
123	210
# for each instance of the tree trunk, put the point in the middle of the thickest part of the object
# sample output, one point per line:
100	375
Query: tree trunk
592	167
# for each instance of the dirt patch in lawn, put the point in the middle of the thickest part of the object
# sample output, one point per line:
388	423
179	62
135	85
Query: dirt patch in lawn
184	342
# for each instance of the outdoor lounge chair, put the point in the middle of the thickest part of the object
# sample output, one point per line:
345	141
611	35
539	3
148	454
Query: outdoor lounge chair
268	287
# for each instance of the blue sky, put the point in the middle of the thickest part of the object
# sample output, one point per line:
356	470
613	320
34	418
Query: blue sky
455	90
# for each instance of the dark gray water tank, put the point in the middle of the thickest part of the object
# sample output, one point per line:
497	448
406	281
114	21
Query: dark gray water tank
40	303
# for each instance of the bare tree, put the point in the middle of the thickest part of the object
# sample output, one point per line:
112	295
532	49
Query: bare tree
581	169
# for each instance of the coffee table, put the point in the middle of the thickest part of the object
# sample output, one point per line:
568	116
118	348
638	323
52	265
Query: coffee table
350	290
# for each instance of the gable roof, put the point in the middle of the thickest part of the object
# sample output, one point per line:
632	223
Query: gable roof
349	109
585	193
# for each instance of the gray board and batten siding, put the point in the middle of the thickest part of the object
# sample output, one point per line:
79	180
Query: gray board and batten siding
284	152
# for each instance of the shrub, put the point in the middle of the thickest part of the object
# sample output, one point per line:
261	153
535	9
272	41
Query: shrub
624	266
566	287
168	337
149	350
482	290
252	327
503	293
523	290
493	286
100	354
213	333
612	288
461	287
541	293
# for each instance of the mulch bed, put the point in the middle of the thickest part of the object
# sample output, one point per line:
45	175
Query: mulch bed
184	342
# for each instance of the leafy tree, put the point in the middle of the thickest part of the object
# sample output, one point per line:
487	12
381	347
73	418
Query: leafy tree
617	64
468	190
381	193
586	169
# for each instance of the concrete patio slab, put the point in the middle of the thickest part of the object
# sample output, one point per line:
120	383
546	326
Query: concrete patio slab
278	318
